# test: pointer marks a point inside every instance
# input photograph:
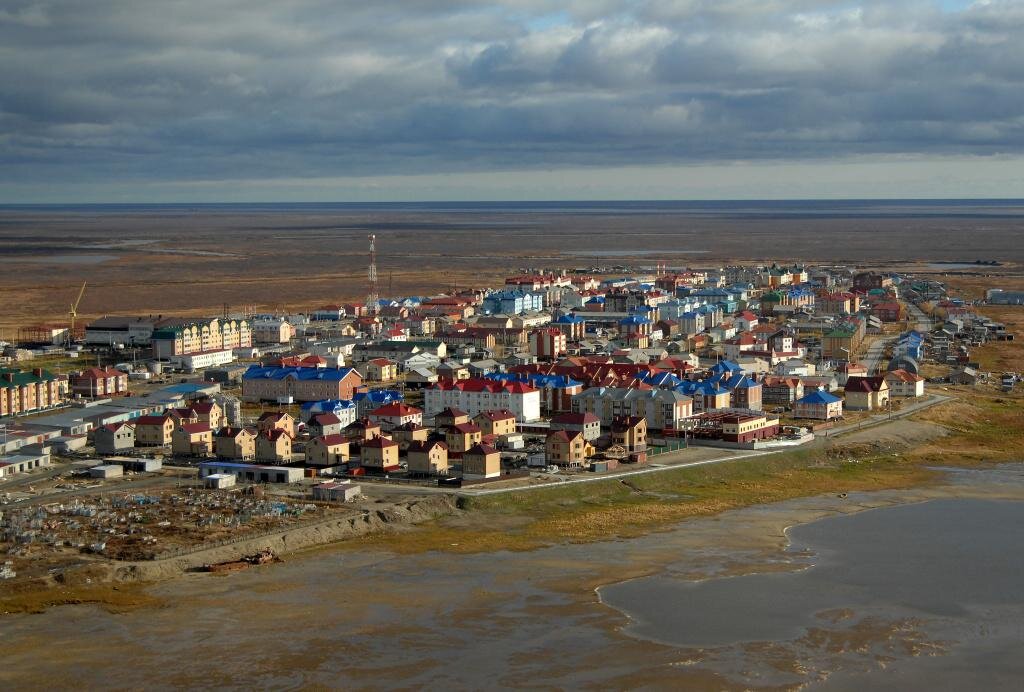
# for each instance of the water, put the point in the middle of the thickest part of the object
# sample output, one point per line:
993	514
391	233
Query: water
919	596
949	569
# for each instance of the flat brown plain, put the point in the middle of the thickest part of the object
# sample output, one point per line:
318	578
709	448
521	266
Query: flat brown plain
185	261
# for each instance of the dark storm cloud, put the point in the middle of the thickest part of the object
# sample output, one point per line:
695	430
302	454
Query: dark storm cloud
192	90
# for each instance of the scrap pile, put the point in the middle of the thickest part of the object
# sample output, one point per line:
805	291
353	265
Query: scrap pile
135	526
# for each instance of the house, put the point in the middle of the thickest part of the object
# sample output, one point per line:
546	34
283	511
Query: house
462	436
904	384
420	377
586	423
235	443
866	393
114	437
380	454
481	461
276	420
500	422
567	448
154	431
391	416
630	432
192	440
818	405
327	451
452	370
428	458
450	416
98	382
381	370
966	375
780	390
267	383
208	411
888	312
324	424
363	430
406	434
274	446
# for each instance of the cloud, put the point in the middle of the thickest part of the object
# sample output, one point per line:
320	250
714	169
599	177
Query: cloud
244	89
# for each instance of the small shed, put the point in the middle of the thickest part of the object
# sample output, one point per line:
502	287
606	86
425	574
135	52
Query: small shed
142	465
107	471
219	481
336	491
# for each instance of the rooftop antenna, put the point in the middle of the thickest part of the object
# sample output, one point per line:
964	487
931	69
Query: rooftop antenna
372	295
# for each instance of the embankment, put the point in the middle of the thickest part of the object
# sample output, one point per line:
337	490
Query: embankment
386	518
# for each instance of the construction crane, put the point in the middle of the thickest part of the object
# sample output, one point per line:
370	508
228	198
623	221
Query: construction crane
74	313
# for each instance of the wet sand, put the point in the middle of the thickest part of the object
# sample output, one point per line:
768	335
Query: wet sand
368	619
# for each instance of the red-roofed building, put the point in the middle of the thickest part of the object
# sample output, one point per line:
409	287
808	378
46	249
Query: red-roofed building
380	454
98	382
428	458
480	394
192	440
153	431
462	436
904	384
567	448
547	343
481	461
274	447
391	416
114	438
327	451
586	423
496	423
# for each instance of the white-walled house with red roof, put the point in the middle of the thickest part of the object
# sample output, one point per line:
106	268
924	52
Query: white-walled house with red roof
391	416
476	395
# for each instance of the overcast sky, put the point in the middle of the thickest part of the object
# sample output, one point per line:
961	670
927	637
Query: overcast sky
320	100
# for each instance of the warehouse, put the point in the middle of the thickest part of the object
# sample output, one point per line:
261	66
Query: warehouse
252	473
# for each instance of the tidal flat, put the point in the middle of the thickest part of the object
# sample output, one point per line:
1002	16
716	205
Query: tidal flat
567	616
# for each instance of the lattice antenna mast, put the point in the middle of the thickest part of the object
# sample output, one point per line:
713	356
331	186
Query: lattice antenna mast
372	294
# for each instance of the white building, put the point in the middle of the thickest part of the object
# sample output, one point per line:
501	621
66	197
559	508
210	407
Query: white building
203	360
480	394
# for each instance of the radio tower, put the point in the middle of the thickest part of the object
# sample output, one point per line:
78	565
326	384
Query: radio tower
372	295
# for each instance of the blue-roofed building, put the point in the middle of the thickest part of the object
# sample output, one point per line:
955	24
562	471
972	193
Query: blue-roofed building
269	383
345	410
664	380
746	391
367	401
572	325
513	302
726	367
818	405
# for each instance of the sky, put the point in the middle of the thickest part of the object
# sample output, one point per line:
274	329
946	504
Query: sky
394	100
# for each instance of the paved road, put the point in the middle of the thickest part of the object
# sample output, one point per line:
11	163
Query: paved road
653	467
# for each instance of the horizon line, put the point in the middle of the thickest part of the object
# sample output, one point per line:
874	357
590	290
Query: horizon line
745	200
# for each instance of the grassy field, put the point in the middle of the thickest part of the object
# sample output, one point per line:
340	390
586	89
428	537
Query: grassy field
632	506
